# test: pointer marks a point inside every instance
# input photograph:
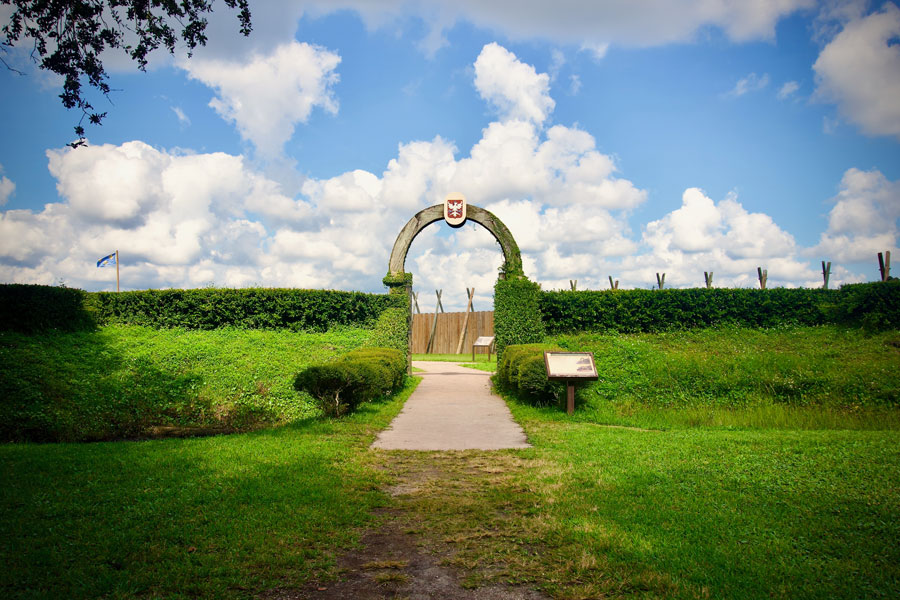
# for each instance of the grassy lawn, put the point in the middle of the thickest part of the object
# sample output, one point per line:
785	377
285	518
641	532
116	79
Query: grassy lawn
710	512
804	377
481	360
718	463
120	380
226	516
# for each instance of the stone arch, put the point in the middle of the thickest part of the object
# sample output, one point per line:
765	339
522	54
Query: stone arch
512	258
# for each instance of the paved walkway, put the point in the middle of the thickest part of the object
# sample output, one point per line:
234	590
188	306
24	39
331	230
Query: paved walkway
452	409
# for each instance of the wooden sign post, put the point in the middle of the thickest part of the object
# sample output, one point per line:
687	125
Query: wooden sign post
570	367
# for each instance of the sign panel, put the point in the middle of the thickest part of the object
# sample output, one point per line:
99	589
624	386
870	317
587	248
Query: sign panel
570	365
455	209
485	340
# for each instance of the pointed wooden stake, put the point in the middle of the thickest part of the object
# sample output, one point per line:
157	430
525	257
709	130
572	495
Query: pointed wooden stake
826	272
415	296
708	278
465	327
613	286
661	281
884	265
434	323
763	275
573	284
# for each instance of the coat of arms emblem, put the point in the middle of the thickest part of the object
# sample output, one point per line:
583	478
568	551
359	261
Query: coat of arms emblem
455	209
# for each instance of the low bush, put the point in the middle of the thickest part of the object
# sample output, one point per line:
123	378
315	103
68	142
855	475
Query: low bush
359	376
521	370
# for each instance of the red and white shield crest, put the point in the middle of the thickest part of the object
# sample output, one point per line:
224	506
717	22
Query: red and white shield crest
455	209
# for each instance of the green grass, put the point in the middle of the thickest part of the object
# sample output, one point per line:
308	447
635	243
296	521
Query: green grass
786	487
120	380
804	377
698	513
225	516
481	360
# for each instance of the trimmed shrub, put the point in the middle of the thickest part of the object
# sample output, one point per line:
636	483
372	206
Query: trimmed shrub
517	313
872	306
521	370
39	308
250	308
632	311
359	376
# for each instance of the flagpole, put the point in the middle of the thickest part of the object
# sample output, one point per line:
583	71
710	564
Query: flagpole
117	271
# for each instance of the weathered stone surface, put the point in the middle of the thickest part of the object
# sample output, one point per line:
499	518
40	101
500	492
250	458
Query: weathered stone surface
512	265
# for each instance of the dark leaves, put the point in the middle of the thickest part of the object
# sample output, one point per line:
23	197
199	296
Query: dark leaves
69	36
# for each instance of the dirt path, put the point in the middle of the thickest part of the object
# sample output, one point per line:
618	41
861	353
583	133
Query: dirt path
452	409
453	529
442	515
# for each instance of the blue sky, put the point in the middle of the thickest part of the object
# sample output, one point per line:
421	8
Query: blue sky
613	138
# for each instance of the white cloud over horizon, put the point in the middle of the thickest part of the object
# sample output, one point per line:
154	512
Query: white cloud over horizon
185	219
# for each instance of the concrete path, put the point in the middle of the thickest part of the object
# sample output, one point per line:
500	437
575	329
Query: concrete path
452	409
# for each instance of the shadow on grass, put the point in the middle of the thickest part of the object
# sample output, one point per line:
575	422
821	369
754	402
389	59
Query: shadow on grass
210	517
75	387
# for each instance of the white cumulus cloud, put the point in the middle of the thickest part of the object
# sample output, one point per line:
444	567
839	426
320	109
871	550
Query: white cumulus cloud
7	187
860	71
267	95
865	218
514	88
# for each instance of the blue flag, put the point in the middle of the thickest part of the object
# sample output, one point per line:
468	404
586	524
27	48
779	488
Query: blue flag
107	261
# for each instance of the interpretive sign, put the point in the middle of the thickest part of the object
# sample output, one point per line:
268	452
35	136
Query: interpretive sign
455	209
485	341
570	367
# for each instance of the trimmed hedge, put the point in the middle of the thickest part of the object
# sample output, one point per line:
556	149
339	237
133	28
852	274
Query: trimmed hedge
517	313
250	308
359	376
521	370
631	311
872	306
39	308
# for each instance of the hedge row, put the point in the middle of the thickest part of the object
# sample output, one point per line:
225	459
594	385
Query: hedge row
251	308
37	308
517	313
359	376
871	305
521	370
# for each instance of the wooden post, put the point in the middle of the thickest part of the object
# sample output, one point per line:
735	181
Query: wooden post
570	398
465	327
884	265
117	269
763	275
661	281
708	278
573	284
613	286
826	272
434	323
